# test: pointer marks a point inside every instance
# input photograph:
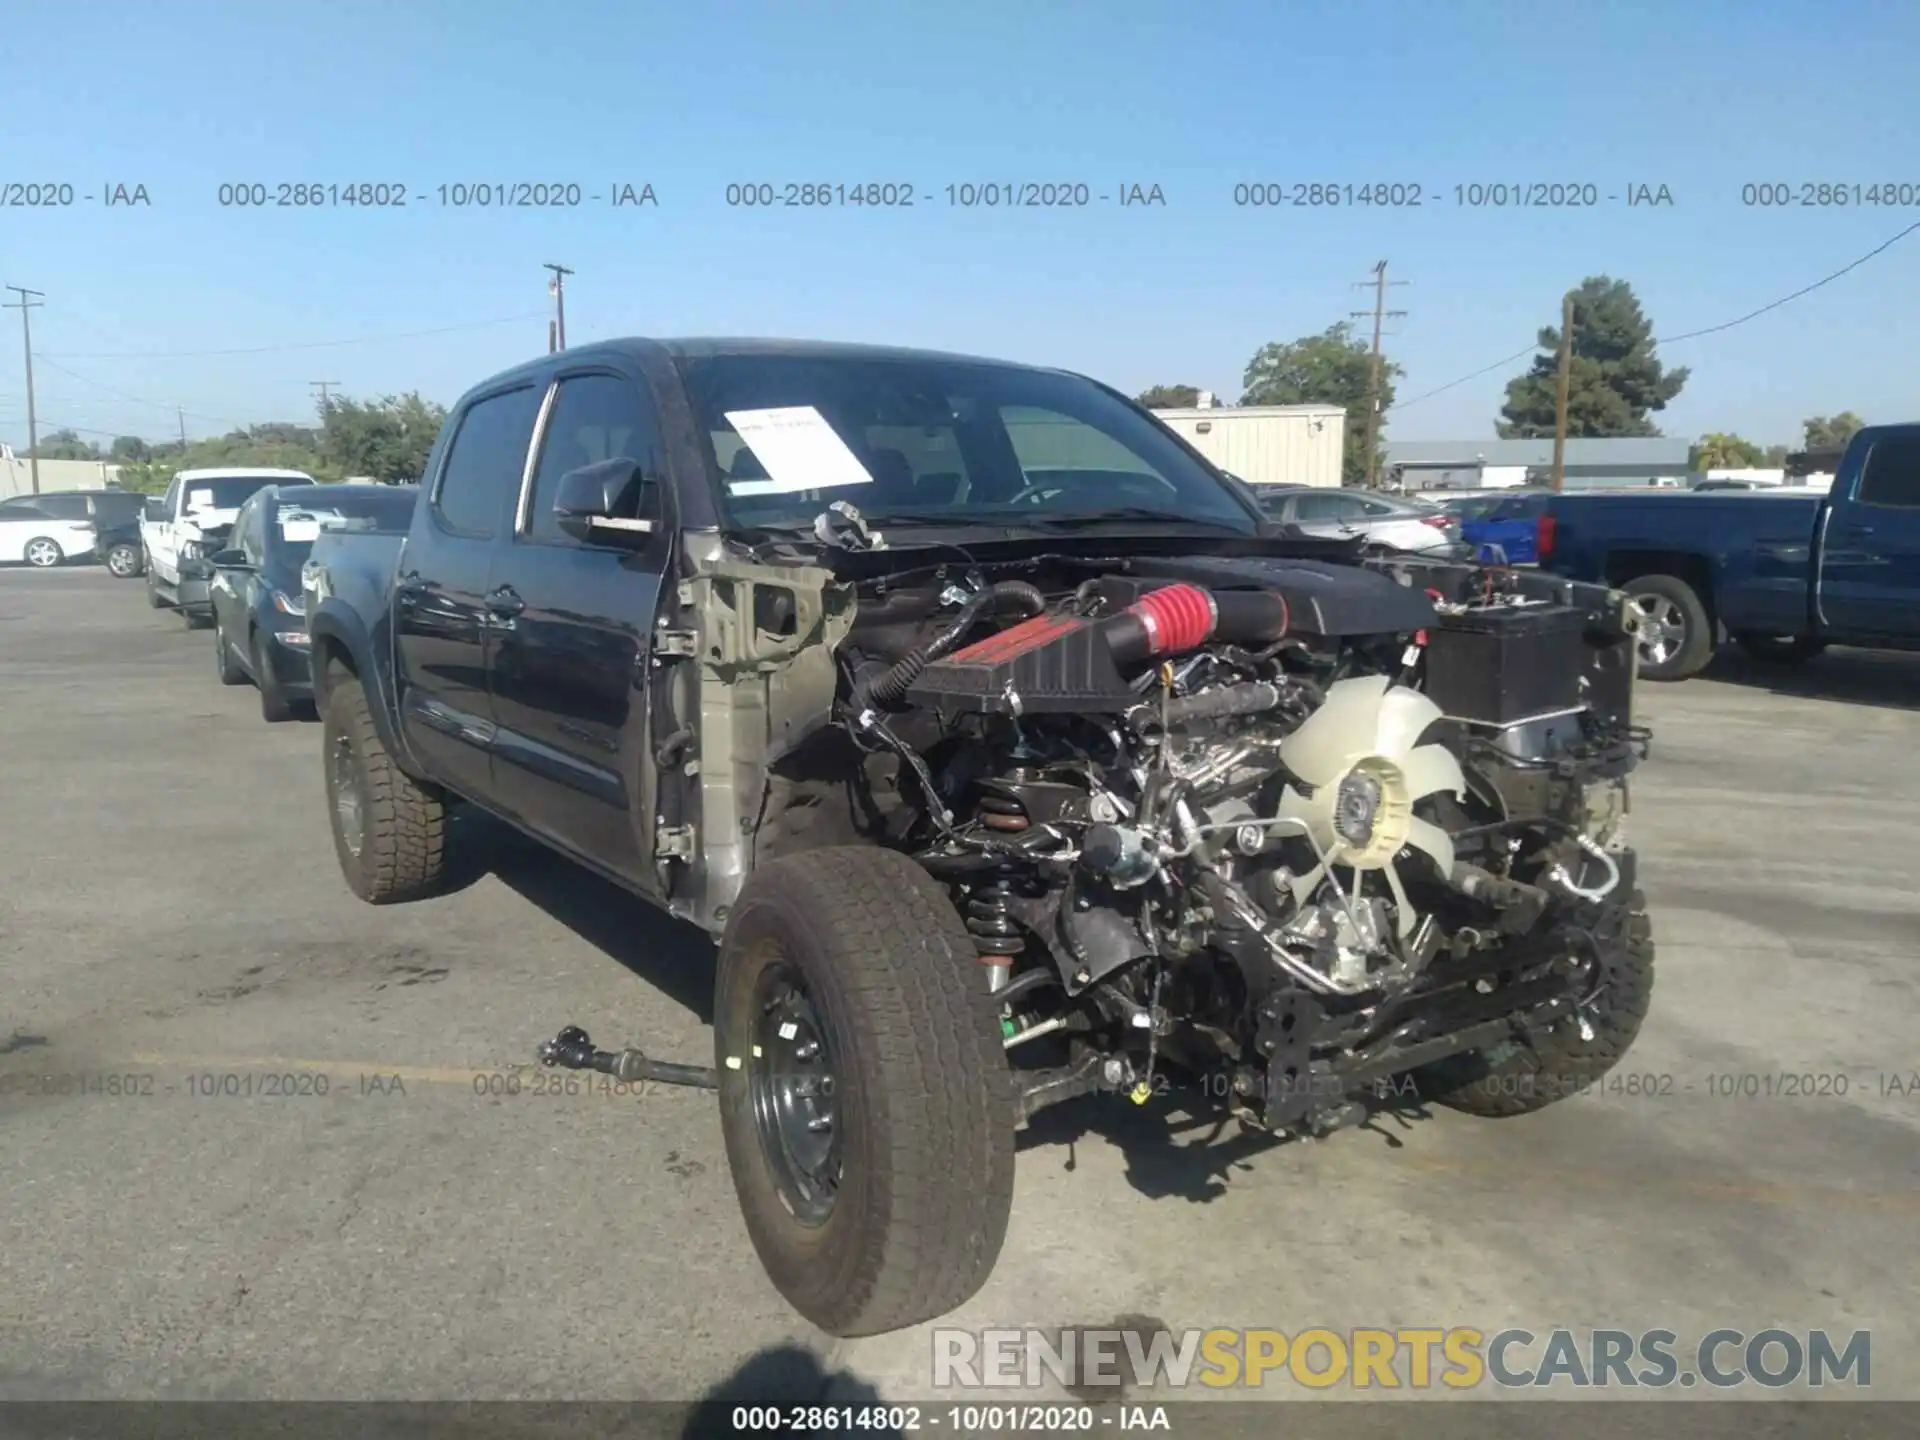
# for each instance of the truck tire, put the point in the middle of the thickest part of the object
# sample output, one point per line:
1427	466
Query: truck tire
389	831
1676	633
1780	649
1517	1079
879	1198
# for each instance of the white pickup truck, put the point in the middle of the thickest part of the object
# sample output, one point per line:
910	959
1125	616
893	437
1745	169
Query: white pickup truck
189	523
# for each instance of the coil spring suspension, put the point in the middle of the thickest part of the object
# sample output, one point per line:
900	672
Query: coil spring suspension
995	935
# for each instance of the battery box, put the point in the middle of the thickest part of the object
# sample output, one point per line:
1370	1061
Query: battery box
1503	664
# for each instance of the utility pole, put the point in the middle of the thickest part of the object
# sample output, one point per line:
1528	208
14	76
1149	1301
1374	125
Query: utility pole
1560	392
324	387
557	287
180	411
1379	313
29	299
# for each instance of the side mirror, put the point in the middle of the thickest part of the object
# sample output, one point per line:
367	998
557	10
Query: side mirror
594	502
232	559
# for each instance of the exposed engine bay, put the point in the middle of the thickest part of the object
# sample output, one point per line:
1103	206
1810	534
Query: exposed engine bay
1283	829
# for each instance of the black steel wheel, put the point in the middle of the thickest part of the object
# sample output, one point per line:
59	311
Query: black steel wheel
792	1082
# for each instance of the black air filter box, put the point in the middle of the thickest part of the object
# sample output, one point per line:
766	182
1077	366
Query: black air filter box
1047	665
1502	664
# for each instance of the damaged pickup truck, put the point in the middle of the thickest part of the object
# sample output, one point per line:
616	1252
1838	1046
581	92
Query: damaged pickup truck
1008	753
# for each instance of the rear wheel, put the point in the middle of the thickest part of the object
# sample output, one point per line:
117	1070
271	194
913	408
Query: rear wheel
123	561
1515	1078
1780	649
865	1097
42	553
389	830
1673	630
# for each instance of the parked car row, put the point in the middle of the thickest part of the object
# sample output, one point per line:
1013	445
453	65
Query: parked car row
50	529
224	548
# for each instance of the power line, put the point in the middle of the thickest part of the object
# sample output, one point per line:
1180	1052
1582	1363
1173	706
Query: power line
1684	335
305	345
136	399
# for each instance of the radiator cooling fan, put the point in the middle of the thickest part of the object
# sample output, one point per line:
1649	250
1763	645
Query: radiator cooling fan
1361	755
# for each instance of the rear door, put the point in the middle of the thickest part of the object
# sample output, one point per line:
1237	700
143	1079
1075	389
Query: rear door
443	623
1329	513
1870	557
21	521
568	668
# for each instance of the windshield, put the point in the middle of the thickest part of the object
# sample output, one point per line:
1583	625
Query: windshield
298	524
944	442
227	492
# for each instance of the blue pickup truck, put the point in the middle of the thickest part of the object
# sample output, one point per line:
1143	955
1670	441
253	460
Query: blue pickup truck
1783	573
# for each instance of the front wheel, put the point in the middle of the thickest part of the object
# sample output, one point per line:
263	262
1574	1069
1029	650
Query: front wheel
42	553
224	665
1513	1078
275	707
123	561
389	831
1671	627
865	1097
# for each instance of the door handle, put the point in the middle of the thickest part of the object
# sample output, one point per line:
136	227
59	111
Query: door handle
1857	531
505	602
410	585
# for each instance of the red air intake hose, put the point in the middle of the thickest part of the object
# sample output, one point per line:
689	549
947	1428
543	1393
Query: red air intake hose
1178	618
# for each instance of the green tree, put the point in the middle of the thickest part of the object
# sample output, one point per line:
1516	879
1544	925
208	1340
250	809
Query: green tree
1614	383
1717	451
65	445
128	449
1331	368
1775	457
1831	432
1170	397
388	438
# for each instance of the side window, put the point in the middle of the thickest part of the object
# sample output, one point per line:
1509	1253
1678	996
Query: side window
1892	477
594	418
486	461
1322	509
248	533
21	510
64	507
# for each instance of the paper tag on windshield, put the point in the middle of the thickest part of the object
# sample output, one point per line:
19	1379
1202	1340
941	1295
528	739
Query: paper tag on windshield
799	449
299	529
199	499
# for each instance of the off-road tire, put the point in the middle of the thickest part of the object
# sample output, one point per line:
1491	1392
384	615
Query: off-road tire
1780	649
1517	1079
403	850
924	1097
224	664
275	707
1697	629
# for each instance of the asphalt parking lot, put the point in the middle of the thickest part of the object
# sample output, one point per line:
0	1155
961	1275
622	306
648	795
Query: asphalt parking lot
170	908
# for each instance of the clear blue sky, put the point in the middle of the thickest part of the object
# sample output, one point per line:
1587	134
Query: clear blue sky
1700	95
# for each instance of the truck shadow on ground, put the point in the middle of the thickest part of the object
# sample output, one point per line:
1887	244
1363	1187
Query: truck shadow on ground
1886	679
1186	1150
672	956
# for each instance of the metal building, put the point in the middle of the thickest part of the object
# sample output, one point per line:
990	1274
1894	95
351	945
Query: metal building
1489	464
1267	444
